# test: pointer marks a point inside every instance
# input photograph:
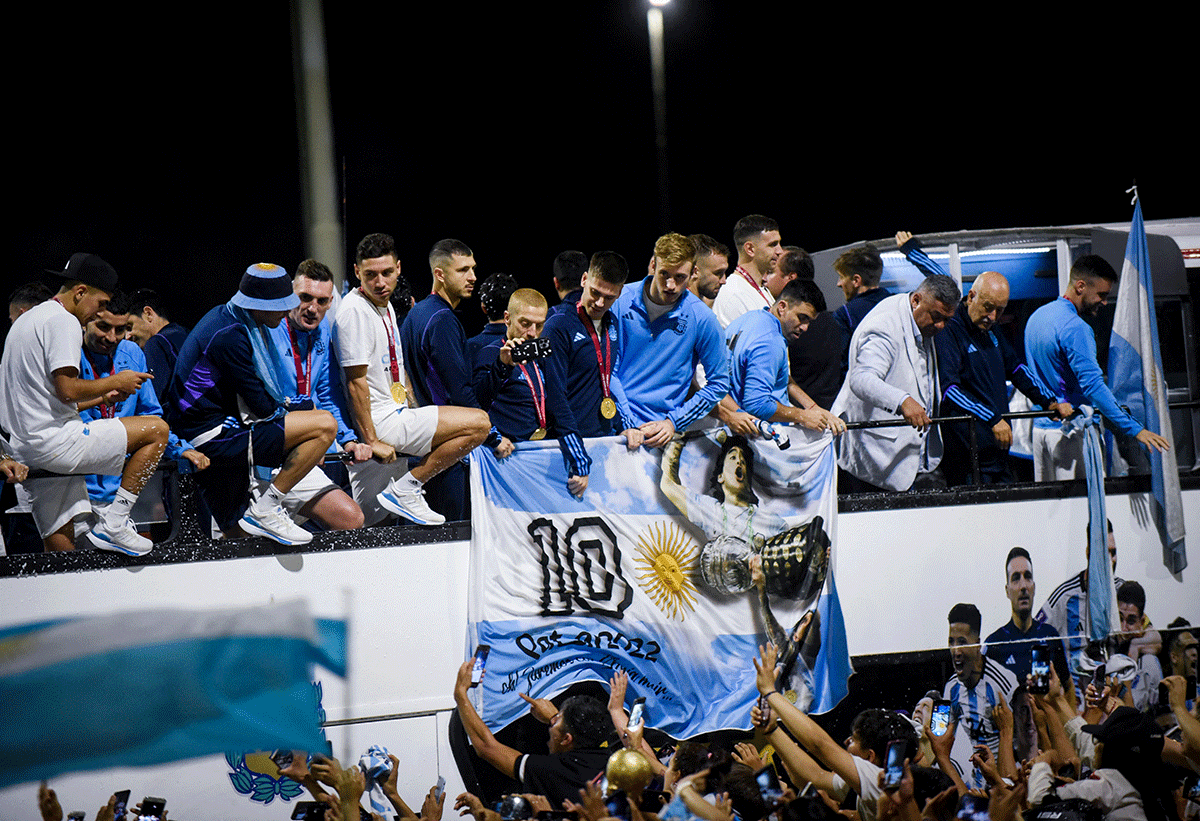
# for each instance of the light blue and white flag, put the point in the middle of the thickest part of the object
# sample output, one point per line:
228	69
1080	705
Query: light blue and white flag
152	686
673	568
1136	378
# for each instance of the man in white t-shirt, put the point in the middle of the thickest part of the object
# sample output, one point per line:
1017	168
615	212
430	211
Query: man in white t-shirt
40	374
759	249
368	346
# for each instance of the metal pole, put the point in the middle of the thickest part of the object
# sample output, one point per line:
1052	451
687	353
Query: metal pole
658	79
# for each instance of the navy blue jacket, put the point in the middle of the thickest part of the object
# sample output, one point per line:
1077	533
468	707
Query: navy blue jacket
569	304
851	314
161	351
506	397
435	355
481	340
215	367
572	363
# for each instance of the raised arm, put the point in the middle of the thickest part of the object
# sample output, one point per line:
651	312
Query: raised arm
500	756
803	728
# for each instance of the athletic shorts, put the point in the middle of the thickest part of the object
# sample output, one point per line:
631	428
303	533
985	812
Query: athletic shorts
409	430
79	447
225	483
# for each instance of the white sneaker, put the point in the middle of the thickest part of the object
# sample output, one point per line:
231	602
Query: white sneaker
409	503
124	539
276	525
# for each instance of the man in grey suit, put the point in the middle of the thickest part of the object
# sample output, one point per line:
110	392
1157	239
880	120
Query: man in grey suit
893	372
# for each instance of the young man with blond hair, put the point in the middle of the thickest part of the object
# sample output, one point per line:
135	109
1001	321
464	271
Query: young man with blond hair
665	331
522	401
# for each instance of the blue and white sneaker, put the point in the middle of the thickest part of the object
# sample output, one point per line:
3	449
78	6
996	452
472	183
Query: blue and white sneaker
409	503
276	525
124	539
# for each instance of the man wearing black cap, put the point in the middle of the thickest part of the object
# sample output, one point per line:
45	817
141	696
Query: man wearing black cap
225	398
40	374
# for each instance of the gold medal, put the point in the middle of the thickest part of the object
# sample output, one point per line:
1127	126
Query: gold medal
398	393
540	433
608	408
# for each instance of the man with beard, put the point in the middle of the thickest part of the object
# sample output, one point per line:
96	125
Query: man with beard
375	360
708	269
1011	644
758	363
306	377
42	384
979	683
106	352
1060	348
759	249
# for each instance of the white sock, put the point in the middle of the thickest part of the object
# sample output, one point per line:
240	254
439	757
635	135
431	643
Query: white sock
119	510
409	482
272	497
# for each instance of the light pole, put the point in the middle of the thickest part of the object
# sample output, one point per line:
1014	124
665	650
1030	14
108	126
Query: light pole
658	78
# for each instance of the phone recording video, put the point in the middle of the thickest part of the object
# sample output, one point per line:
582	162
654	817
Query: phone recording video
1039	669
637	715
769	787
121	805
939	721
617	805
152	809
972	808
308	811
481	654
894	765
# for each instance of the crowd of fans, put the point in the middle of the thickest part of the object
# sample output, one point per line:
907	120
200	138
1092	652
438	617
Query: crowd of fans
288	375
1103	736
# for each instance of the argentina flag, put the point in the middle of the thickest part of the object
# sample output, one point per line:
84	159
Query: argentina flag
1136	378
673	567
152	686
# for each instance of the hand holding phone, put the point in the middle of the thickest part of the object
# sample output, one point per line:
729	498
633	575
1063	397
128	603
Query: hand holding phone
481	654
893	771
1039	669
939	720
637	715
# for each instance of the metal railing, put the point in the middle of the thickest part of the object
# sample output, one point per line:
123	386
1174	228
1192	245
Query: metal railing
973	435
184	517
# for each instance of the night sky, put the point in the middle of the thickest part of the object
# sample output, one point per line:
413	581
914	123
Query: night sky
169	146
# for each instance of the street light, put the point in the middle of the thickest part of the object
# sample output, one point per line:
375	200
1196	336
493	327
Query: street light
658	79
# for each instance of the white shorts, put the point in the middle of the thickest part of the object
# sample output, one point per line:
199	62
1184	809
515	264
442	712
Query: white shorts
313	485
408	430
78	448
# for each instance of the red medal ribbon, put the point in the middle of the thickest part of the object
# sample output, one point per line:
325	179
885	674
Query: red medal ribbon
539	402
746	274
603	361
303	375
391	334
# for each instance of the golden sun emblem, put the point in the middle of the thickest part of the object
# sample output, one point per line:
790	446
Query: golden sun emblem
667	559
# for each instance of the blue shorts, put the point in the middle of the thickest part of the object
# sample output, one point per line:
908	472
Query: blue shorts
225	483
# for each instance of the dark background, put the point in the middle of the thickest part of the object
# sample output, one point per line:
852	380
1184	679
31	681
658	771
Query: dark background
167	142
